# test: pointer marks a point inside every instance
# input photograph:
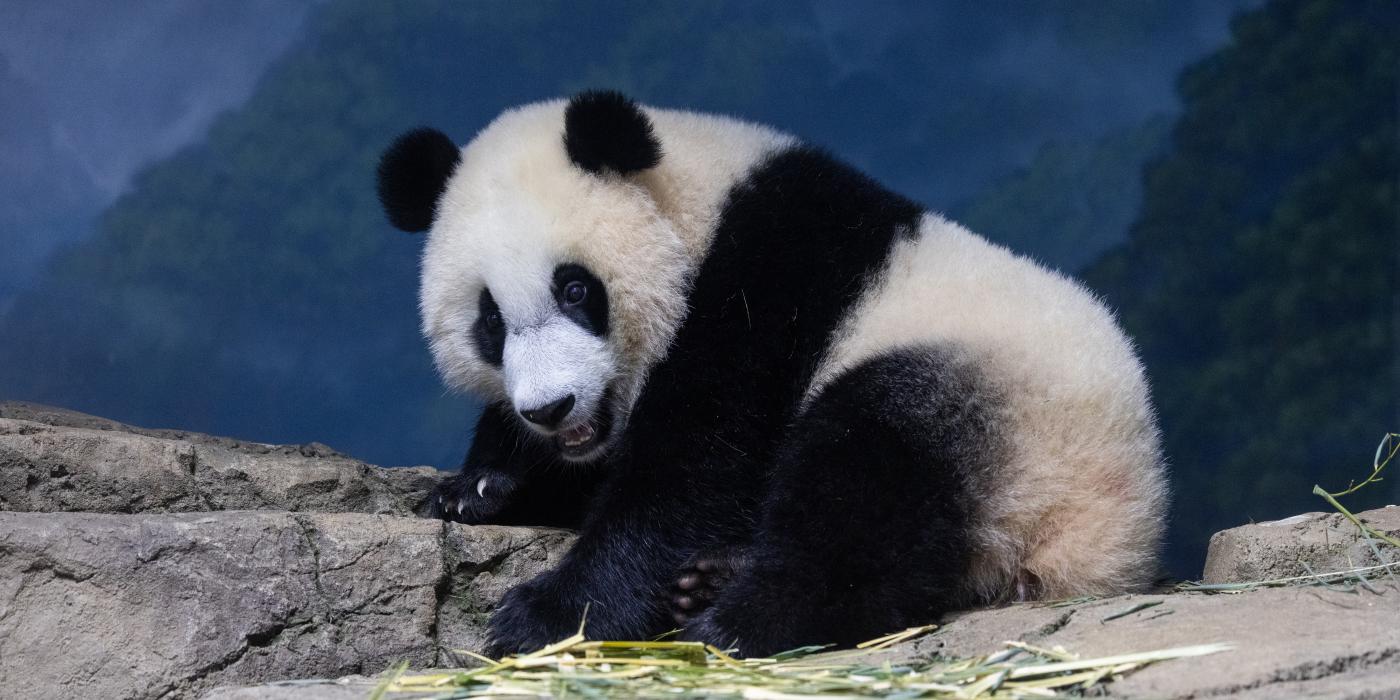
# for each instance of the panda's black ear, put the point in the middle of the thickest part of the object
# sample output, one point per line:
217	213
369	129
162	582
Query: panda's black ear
603	130
413	173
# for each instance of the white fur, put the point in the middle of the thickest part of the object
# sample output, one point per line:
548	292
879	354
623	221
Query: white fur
1079	505
548	361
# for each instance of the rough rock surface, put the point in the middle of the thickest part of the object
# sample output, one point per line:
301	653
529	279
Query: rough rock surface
212	565
167	605
1288	642
1322	542
347	688
57	460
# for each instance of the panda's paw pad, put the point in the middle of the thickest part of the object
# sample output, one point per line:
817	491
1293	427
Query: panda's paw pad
472	496
701	580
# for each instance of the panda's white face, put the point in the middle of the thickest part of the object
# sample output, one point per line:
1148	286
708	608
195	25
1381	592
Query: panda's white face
546	286
550	346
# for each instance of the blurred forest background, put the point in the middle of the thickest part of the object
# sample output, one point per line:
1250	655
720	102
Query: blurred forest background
191	236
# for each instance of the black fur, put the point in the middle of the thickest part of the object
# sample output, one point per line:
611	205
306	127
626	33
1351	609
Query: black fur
796	244
489	330
604	130
867	525
592	313
413	173
526	483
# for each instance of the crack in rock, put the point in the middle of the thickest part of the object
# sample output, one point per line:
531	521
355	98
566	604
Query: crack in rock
1055	625
308	535
1317	670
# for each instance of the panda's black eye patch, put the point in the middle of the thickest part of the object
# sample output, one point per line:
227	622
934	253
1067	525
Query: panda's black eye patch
582	297
489	331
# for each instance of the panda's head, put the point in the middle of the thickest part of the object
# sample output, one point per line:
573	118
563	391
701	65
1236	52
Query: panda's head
550	279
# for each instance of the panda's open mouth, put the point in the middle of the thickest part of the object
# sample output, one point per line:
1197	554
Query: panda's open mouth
577	436
582	442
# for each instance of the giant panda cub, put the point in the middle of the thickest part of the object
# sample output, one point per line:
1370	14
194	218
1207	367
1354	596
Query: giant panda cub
786	405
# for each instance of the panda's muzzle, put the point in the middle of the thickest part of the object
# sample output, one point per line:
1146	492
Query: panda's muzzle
574	439
582	440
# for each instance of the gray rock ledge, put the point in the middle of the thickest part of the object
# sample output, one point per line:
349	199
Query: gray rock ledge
169	605
1324	542
57	460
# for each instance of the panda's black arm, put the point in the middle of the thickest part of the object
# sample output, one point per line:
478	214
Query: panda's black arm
659	507
511	477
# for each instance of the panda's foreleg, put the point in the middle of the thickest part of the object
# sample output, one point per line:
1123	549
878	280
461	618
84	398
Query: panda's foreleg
511	477
867	526
613	581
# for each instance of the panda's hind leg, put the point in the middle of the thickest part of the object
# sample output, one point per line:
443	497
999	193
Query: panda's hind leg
703	578
867	528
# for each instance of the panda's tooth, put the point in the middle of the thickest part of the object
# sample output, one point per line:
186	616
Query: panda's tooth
481	487
577	435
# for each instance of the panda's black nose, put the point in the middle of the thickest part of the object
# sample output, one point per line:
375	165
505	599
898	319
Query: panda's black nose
551	414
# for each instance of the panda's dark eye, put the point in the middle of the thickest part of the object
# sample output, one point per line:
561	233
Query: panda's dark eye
582	297
575	292
494	322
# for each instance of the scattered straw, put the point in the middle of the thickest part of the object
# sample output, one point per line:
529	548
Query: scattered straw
1136	608
1343	576
890	640
1385	452
1067	602
390	679
1366	529
591	669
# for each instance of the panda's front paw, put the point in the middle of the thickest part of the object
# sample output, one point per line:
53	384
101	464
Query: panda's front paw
530	617
473	496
